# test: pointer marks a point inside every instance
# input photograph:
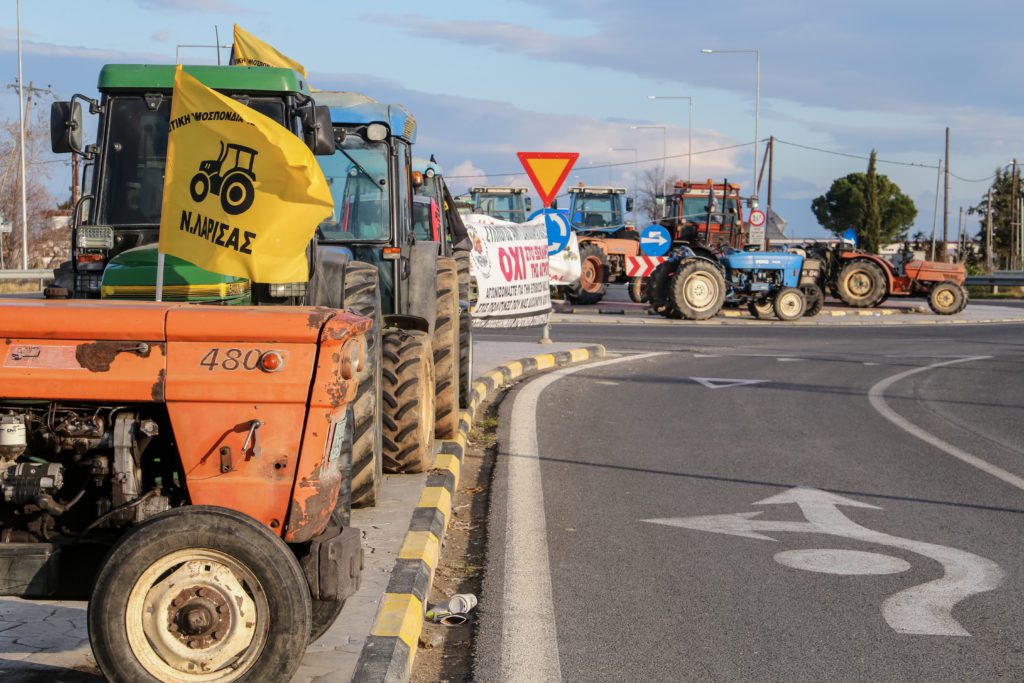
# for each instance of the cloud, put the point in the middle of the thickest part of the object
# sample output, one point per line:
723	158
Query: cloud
160	36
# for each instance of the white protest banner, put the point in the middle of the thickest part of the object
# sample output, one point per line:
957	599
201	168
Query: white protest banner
565	266
510	264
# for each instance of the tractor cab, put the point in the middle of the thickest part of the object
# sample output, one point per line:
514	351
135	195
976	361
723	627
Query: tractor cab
504	203
707	215
370	176
123	182
439	218
598	209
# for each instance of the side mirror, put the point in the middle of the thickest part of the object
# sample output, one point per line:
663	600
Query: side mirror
659	200
554	204
529	204
317	129
629	204
66	132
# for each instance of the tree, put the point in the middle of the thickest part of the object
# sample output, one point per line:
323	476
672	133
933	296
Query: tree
650	188
872	210
1002	192
39	200
846	205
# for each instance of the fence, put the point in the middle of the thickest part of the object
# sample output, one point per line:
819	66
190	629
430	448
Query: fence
1001	279
41	275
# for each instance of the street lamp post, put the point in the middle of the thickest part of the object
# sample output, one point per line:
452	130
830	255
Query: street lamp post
757	100
689	128
23	123
635	176
664	147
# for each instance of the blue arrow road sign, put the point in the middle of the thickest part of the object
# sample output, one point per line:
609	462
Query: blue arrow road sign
654	241
558	230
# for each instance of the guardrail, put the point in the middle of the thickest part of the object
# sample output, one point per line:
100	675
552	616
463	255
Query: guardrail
1002	279
39	274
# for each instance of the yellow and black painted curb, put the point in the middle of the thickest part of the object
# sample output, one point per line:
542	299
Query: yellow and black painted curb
387	656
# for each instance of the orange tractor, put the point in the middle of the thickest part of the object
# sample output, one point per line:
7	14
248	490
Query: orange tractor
186	468
862	280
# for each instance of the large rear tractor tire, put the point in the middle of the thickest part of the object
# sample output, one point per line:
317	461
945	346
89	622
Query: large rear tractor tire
659	289
199	593
445	344
947	298
594	270
361	295
638	289
698	290
789	304
814	298
465	359
407	391
861	284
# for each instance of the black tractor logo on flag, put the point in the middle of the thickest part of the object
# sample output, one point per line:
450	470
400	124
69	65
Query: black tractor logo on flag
234	185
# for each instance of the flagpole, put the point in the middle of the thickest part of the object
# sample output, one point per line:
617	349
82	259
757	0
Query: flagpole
159	275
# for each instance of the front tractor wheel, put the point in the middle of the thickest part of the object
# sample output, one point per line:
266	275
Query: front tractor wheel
789	304
762	309
815	299
861	284
698	290
659	289
199	595
638	289
594	270
199	187
407	390
947	298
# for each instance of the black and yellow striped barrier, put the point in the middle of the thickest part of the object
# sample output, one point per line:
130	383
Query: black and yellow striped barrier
388	653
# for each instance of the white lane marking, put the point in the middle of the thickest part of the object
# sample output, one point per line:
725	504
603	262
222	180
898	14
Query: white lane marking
706	355
876	395
788	360
725	383
925	609
607	383
529	637
842	562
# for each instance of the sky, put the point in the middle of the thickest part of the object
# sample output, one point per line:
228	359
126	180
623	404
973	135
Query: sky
486	80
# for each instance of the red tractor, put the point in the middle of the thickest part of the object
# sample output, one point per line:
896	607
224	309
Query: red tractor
862	280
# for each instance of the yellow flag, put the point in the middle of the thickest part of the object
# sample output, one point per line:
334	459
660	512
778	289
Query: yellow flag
249	50
242	194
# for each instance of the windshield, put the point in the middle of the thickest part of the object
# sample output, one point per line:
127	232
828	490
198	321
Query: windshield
357	174
506	206
597	210
696	208
135	153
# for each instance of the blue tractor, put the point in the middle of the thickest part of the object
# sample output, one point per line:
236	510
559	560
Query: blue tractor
696	287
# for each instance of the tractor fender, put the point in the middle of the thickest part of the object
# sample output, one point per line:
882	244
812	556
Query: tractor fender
407	322
420	294
890	282
326	286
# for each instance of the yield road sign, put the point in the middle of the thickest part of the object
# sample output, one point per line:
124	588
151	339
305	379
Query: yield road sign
547	171
654	240
756	218
558	230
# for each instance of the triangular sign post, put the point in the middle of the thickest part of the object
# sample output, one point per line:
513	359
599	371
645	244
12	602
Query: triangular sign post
547	171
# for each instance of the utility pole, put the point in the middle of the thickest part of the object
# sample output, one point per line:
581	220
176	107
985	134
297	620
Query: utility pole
945	206
935	214
989	251
960	238
1013	216
771	166
22	123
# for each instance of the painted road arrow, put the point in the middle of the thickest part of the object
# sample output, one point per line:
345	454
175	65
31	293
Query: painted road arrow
925	609
723	382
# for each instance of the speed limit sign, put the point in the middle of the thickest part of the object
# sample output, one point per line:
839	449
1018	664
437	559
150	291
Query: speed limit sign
756	218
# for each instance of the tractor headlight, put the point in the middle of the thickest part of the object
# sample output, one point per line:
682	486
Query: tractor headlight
286	289
376	132
95	237
352	356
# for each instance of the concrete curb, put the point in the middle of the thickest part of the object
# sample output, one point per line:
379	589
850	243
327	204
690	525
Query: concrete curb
390	649
729	313
864	320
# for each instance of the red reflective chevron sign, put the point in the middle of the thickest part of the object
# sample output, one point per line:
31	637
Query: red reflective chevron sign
547	171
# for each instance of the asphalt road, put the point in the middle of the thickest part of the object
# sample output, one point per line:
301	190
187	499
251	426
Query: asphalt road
849	514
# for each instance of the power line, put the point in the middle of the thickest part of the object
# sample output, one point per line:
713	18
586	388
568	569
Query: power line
618	164
856	156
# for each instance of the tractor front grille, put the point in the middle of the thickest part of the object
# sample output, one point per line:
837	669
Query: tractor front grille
221	290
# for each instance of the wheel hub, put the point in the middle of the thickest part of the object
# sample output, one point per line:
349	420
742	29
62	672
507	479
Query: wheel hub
590	280
700	292
789	304
197	618
860	284
944	298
